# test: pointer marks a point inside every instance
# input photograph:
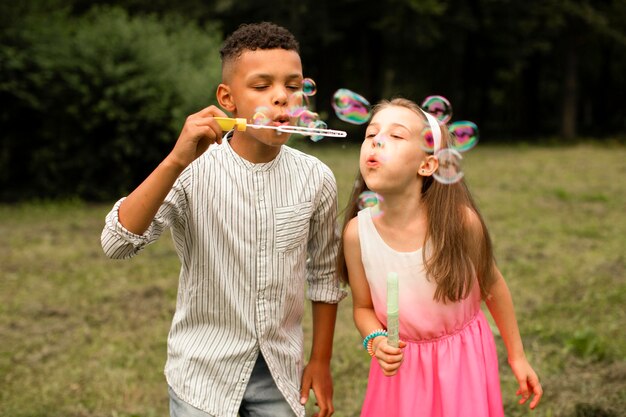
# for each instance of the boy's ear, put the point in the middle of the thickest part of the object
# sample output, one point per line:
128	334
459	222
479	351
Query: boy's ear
428	166
225	98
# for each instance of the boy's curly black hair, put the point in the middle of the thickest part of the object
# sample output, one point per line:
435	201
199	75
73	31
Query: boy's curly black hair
253	36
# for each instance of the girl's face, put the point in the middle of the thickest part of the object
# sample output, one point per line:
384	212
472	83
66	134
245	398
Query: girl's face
391	154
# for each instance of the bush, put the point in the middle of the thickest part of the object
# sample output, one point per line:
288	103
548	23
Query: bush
91	104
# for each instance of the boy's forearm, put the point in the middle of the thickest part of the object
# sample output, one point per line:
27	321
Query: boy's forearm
324	318
139	208
500	306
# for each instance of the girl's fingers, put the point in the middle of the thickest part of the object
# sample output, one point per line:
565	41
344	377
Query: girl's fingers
523	391
538	391
389	358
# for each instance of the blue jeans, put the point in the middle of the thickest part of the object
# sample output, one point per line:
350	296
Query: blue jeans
261	398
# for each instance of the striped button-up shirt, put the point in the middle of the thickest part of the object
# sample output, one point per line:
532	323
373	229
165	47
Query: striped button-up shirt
251	238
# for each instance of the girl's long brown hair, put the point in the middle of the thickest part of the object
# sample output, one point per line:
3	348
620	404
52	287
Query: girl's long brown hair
449	241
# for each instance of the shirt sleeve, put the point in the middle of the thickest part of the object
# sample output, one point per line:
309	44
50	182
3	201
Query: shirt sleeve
323	282
120	243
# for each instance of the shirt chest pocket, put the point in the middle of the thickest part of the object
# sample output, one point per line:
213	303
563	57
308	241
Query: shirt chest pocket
292	226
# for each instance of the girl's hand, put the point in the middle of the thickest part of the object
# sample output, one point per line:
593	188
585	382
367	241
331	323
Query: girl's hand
528	381
199	131
389	358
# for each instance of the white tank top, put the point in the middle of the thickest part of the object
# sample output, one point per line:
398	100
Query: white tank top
421	317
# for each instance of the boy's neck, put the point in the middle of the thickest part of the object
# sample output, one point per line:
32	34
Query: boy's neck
252	150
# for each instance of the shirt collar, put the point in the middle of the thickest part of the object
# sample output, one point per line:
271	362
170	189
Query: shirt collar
250	166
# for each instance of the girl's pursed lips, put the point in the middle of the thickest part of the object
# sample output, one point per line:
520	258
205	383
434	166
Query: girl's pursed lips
372	161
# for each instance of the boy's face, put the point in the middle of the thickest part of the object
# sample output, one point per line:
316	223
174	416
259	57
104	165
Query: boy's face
262	78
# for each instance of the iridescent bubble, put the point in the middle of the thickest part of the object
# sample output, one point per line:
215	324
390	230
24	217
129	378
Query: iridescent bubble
260	117
427	142
298	102
308	87
351	107
370	199
307	118
317	124
464	135
380	140
449	170
439	107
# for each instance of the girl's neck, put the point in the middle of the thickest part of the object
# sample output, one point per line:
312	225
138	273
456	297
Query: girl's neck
401	209
403	223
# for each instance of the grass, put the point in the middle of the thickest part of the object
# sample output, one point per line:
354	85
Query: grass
81	335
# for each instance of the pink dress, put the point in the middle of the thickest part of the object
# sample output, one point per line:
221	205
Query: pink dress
450	365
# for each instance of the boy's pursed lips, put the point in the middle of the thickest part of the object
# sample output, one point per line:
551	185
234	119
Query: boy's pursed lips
281	120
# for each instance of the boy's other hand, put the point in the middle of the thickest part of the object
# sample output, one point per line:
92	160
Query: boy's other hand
316	377
198	133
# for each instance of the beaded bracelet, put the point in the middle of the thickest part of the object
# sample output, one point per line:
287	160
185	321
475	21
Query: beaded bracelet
370	348
371	336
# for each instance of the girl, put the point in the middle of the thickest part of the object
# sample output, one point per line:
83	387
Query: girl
434	238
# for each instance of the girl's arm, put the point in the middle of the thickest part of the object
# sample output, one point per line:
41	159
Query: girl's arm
500	306
364	316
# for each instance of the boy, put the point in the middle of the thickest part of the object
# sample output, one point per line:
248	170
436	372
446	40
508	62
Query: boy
252	220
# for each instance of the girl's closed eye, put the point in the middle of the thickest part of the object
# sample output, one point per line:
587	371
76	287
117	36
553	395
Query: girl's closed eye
371	133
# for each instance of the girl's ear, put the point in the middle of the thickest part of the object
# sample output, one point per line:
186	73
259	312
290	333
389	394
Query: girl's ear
428	166
225	98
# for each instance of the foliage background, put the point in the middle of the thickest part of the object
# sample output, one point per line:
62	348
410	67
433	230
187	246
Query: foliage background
92	94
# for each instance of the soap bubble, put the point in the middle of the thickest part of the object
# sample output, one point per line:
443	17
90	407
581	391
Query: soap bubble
449	170
439	107
464	135
351	107
370	199
260	117
308	87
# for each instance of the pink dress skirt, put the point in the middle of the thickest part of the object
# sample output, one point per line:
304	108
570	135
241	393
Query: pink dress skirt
450	365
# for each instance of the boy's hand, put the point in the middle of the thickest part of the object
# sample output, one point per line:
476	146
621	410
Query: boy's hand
528	381
389	357
316	376
199	131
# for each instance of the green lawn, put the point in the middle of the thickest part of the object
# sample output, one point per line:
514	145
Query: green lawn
82	335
